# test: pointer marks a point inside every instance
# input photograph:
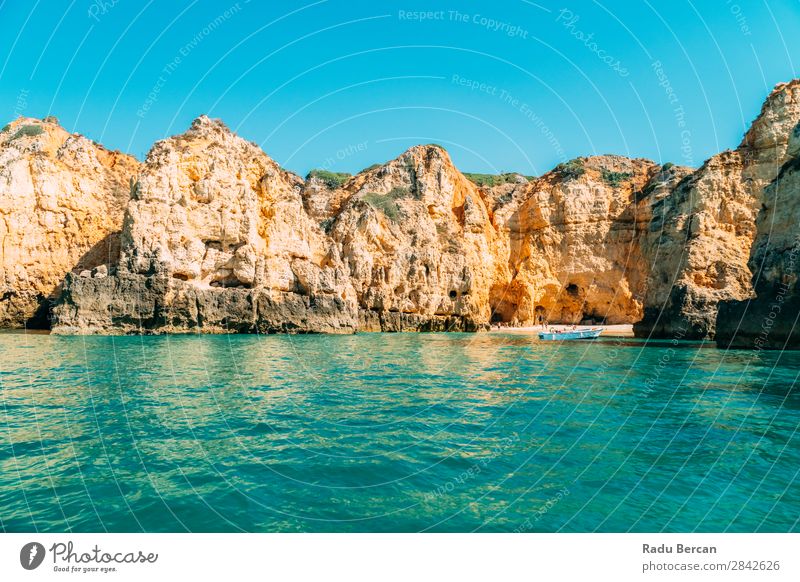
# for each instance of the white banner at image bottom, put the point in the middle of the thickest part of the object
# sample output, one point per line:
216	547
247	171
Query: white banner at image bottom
401	557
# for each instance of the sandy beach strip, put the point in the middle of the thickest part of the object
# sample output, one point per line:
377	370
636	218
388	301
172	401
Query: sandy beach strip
619	330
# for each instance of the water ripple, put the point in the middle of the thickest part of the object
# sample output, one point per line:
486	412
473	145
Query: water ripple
394	432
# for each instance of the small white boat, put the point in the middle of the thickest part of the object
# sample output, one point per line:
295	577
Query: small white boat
571	334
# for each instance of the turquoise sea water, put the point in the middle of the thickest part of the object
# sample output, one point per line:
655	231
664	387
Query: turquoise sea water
395	432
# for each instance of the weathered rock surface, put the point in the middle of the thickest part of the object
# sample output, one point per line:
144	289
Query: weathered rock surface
417	240
707	226
131	303
215	239
218	238
772	318
62	199
572	242
321	200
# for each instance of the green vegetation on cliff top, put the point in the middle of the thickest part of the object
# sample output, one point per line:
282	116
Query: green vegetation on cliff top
29	130
387	203
331	180
570	170
615	178
491	180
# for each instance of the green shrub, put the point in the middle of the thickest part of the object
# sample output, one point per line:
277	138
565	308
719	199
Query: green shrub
51	119
491	180
327	224
667	166
385	203
399	192
6	128
332	180
369	168
570	170
615	178
29	130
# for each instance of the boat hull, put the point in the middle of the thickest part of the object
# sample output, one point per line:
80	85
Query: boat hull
576	334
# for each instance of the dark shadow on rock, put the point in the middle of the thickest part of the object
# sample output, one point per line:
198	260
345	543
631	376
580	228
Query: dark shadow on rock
104	252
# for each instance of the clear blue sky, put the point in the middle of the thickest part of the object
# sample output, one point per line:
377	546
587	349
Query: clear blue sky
346	83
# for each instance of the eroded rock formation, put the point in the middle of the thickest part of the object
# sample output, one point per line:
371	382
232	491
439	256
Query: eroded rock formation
218	238
707	226
417	239
62	199
552	232
771	319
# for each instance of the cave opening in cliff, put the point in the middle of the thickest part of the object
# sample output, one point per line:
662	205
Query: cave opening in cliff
503	311
40	320
572	289
503	304
592	318
230	282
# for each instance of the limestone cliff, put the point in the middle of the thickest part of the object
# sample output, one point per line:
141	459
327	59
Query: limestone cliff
62	199
571	239
215	239
419	245
706	228
771	318
322	199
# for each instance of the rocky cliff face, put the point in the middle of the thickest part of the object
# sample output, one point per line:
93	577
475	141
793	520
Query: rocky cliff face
217	238
771	318
418	243
553	233
62	199
708	225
